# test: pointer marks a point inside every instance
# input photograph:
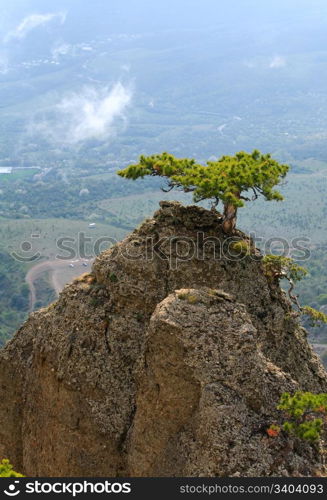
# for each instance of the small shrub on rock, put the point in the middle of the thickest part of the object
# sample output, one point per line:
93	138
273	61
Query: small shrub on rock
7	470
306	414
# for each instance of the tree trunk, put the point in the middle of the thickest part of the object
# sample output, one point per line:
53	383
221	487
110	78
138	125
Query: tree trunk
230	214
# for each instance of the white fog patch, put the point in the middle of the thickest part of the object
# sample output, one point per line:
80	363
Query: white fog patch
277	62
33	21
91	114
263	63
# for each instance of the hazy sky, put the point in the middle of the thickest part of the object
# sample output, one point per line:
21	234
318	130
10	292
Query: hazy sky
140	15
199	54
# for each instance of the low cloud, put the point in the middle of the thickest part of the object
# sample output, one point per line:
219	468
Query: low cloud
33	21
264	63
277	62
91	114
61	49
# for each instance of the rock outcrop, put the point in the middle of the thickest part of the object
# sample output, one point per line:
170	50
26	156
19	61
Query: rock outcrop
168	359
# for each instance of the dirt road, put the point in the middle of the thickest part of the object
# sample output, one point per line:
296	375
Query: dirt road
60	272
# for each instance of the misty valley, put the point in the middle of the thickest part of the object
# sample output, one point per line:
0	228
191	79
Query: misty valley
85	91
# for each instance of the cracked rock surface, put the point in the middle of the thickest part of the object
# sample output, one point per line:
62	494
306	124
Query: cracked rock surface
168	359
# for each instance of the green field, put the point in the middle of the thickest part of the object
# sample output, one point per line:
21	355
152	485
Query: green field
18	174
45	236
46	239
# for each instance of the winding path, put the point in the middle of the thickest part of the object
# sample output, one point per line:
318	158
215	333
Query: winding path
53	267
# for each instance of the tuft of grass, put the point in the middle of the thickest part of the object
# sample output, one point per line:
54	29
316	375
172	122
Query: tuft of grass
190	298
241	247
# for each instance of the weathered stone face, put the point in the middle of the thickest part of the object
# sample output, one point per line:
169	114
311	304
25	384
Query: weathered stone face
166	360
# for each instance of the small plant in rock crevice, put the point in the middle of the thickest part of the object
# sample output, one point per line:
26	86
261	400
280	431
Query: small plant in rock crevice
305	413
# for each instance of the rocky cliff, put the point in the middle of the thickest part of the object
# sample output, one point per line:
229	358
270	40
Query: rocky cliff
167	359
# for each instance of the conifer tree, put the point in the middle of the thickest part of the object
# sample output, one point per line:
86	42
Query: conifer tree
231	179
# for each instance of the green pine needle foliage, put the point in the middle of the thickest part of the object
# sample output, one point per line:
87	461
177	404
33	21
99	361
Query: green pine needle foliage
276	266
6	469
306	413
225	179
316	317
